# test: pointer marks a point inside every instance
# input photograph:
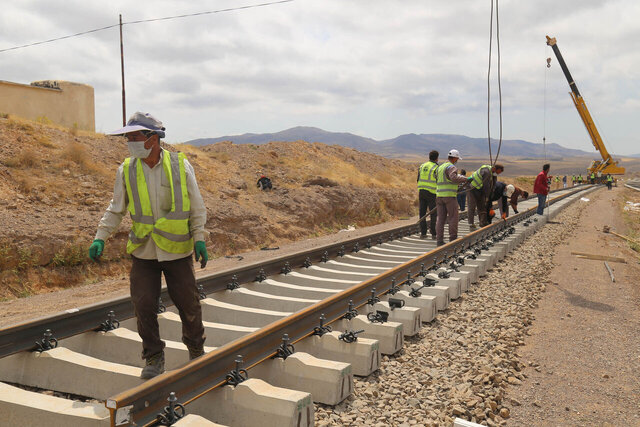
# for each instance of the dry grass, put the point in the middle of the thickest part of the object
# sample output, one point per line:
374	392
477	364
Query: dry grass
77	153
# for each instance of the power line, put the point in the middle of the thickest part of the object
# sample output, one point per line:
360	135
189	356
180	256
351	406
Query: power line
140	21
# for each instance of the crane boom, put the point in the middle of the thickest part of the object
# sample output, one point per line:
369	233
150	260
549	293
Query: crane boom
607	165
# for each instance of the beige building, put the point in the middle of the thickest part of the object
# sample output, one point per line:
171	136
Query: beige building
64	103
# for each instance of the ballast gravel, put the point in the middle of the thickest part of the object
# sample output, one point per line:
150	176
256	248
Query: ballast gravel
461	364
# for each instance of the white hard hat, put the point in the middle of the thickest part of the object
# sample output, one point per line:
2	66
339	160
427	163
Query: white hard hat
509	190
454	153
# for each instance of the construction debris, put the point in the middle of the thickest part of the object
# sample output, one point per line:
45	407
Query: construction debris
599	257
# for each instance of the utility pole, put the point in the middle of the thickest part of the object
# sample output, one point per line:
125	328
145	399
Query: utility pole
124	105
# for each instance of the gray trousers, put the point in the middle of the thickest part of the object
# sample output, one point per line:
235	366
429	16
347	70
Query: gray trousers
447	208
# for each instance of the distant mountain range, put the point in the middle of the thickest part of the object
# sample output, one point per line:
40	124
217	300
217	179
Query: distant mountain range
403	145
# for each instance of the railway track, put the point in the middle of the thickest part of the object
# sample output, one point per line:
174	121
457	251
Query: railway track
281	334
634	184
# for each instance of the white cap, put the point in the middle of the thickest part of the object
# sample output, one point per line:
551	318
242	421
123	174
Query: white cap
455	153
509	190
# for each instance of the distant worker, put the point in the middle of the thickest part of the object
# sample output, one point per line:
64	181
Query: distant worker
557	181
446	191
599	177
427	194
580	179
482	183
264	183
462	192
609	181
159	190
564	181
592	178
573	180
541	188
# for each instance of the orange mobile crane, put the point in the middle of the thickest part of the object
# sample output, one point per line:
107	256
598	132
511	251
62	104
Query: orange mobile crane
607	165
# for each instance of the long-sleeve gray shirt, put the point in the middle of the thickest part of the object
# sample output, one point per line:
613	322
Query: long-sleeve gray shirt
160	197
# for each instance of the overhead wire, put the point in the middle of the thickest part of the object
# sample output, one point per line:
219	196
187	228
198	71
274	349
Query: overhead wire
140	21
493	161
489	85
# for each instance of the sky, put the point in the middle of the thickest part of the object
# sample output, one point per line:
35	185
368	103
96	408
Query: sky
376	68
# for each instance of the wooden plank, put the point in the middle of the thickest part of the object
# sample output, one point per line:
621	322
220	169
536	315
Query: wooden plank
599	257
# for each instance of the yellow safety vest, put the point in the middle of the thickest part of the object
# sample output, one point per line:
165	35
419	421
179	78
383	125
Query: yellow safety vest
427	180
476	179
170	233
610	179
445	187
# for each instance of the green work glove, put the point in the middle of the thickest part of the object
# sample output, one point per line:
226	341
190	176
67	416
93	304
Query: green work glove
95	250
200	250
469	178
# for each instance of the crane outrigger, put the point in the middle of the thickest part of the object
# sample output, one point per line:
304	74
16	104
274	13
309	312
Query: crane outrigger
598	167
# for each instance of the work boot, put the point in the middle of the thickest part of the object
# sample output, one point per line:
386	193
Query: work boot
195	352
472	227
423	236
154	366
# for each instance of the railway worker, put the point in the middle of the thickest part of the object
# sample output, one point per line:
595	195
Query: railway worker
427	194
505	195
573	180
541	187
462	192
592	178
609	181
482	182
447	180
159	190
564	181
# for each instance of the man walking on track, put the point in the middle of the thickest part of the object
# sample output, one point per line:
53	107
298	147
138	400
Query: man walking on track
446	201
159	190
482	183
427	193
541	188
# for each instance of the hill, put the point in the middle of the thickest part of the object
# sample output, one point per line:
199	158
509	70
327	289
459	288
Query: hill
56	183
403	146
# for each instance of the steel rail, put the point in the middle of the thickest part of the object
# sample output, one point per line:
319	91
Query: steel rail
23	336
141	405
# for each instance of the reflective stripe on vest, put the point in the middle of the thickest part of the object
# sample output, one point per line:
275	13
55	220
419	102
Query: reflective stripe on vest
170	233
476	179
610	178
446	188
427	179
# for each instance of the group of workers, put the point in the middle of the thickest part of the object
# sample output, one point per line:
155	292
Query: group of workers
443	191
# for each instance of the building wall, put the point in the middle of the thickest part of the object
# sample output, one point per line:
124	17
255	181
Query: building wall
64	103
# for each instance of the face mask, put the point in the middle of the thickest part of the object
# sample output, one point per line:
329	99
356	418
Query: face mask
136	149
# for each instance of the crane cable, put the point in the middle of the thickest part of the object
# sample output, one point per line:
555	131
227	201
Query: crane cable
491	160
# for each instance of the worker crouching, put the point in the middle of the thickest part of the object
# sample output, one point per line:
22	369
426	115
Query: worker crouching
446	197
482	183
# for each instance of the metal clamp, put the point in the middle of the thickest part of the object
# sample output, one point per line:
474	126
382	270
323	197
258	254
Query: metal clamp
321	330
423	271
307	263
378	317
379	242
111	323
351	311
286	269
410	280
341	252
161	307
395	303
234	283
356	247
262	276
444	274
172	413
47	342
325	257
394	288
285	350
201	294
350	336
238	375
373	299
368	244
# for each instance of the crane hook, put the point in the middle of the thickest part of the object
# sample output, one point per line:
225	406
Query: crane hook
548	62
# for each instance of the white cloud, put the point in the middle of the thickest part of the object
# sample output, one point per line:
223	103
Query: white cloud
378	67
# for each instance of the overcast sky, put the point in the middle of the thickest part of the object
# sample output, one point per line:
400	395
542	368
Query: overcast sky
371	67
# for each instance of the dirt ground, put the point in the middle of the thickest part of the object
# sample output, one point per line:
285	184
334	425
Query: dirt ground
583	352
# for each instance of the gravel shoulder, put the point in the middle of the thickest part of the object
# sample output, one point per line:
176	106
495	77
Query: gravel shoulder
583	354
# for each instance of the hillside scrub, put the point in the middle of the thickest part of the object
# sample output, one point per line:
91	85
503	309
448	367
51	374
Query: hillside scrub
57	182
